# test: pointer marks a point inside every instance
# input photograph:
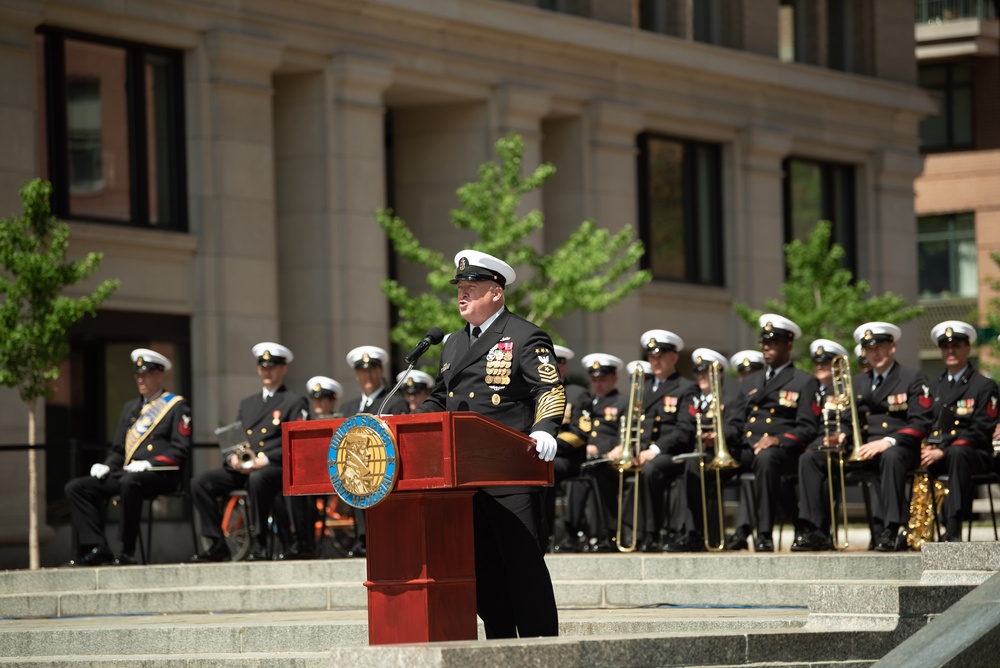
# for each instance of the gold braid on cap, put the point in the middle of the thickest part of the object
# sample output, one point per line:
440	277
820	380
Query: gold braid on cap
551	404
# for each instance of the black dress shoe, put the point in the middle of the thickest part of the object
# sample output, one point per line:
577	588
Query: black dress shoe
650	543
98	556
736	542
887	541
603	545
902	542
687	543
359	549
812	541
297	552
953	538
217	552
125	559
575	543
258	553
764	544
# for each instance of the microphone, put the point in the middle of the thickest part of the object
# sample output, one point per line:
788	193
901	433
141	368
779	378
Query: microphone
433	337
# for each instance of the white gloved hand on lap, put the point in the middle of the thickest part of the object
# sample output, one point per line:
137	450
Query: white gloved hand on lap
545	445
99	470
138	465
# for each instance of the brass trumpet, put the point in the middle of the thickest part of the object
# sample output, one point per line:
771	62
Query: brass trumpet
722	459
628	436
844	399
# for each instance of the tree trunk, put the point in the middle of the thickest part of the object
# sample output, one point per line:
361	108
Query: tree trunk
33	559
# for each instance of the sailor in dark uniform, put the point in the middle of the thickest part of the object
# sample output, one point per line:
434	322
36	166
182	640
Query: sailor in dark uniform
324	393
966	408
599	425
152	443
416	388
814	510
261	415
503	367
665	392
369	363
895	408
774	418
570	454
746	362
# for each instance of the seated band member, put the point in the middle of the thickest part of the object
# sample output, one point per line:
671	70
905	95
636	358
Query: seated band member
570	454
417	387
697	411
966	408
814	511
895	408
324	392
664	394
152	442
261	414
775	416
746	362
599	425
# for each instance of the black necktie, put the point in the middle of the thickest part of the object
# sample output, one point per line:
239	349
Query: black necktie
878	381
476	331
767	375
951	382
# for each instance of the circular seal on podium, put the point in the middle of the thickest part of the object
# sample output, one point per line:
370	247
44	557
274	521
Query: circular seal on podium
363	461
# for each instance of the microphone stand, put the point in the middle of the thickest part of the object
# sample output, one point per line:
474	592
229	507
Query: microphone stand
402	380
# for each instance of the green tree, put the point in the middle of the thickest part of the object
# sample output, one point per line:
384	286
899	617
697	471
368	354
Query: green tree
590	271
34	316
822	297
988	335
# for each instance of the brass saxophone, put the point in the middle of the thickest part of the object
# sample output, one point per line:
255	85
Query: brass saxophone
925	506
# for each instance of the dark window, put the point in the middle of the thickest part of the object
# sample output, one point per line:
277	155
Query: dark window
112	132
574	7
660	16
952	127
946	256
707	21
816	191
680	209
840	36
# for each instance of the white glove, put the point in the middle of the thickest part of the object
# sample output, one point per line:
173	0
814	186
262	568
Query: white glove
99	470
545	445
138	465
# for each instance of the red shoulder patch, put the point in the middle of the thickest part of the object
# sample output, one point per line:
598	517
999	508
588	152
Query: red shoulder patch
184	428
992	409
815	407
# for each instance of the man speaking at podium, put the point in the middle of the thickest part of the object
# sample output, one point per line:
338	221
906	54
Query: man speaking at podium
504	367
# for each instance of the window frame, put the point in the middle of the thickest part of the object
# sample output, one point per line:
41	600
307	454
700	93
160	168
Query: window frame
57	132
829	204
946	95
952	236
693	250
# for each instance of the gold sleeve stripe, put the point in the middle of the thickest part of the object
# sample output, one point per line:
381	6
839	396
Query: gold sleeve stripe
571	439
551	404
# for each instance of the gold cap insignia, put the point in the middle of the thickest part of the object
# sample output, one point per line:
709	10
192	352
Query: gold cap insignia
266	355
366	358
139	361
317	387
768	326
868	335
462	264
745	362
949	332
595	365
699	360
819	350
409	382
652	343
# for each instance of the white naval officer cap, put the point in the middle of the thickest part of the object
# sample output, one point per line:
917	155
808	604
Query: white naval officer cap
747	360
473	265
859	352
323	386
774	326
953	330
824	350
269	354
416	381
647	368
363	357
703	358
563	354
871	333
660	341
598	364
149	360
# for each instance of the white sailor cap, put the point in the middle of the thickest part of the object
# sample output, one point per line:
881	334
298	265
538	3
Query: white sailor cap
647	368
269	354
871	333
598	364
322	386
417	381
703	358
363	357
747	360
563	354
953	330
149	360
859	352
660	341
472	265
824	350
774	326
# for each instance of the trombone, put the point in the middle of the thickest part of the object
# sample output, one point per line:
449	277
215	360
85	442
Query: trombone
722	459
628	436
844	399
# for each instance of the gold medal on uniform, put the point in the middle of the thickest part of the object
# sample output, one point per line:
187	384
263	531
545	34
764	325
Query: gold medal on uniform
496	399
276	418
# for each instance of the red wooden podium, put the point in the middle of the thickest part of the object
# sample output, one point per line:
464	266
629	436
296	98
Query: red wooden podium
421	561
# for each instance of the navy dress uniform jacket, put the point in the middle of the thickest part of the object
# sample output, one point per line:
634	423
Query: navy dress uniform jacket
901	407
262	420
966	413
166	444
785	407
571	440
662	411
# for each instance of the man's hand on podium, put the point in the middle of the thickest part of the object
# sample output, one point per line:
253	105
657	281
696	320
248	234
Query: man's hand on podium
545	445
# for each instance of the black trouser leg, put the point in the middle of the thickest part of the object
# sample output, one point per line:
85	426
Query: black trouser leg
134	488
263	485
206	490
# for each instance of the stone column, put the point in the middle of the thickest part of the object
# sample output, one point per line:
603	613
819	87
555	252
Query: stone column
231	160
